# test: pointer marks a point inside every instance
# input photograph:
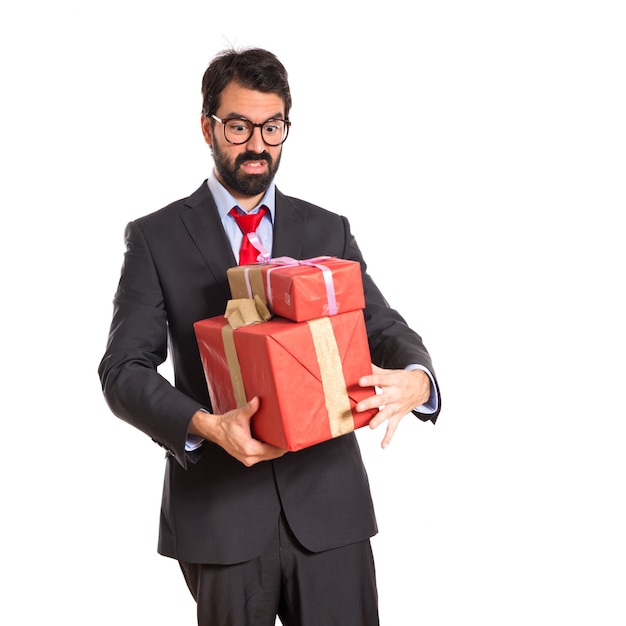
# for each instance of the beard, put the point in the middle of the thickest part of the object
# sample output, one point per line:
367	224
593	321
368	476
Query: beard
246	184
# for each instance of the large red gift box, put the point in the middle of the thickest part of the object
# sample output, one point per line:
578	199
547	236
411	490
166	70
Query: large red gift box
305	374
301	290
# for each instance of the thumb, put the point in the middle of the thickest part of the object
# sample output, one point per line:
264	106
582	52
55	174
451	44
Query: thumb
251	407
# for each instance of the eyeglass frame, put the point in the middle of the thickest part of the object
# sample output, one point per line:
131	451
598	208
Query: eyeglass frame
260	126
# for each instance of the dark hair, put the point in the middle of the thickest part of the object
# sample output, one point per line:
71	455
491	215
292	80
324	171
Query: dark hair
253	68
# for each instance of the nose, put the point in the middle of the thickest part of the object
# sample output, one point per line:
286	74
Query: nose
256	143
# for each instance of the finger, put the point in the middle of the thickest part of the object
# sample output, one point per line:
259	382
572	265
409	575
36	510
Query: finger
371	379
271	451
392	425
373	402
251	407
381	378
379	418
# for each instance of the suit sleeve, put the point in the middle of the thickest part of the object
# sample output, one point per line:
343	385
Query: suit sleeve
137	345
393	344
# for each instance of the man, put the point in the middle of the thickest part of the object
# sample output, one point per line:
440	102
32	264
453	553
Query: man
258	532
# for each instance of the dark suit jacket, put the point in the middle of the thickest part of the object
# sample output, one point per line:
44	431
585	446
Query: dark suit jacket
214	509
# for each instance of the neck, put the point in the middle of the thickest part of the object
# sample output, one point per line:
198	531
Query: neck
247	203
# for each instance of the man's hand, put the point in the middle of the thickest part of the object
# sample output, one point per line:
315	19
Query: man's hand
401	391
232	432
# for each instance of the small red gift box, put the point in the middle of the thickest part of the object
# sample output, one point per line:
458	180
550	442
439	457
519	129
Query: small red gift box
305	374
301	290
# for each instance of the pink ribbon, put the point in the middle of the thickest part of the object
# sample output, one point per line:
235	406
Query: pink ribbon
327	275
286	261
264	254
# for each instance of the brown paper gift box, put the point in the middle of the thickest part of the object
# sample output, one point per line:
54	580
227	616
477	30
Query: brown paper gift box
305	374
301	290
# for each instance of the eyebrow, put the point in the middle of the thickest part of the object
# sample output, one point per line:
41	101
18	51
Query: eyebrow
238	116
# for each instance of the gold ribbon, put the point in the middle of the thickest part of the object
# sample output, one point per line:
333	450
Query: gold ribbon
333	381
242	312
236	379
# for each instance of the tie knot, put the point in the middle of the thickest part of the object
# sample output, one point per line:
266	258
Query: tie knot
248	222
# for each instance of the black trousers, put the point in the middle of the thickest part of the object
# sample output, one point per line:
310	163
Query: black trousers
302	588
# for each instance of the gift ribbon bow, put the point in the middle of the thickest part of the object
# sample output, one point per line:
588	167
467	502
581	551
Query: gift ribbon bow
287	261
244	311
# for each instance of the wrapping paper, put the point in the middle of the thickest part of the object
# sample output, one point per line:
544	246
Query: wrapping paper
301	290
305	374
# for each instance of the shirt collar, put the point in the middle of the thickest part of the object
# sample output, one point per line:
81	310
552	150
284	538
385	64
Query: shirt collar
225	202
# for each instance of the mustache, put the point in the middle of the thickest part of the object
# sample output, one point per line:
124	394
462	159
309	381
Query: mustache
253	156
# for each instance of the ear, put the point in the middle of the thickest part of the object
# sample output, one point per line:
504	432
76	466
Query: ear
206	130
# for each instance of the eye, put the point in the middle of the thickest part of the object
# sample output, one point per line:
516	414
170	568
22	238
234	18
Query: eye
238	127
273	127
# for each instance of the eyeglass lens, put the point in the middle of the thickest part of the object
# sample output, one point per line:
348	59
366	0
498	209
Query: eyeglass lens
240	131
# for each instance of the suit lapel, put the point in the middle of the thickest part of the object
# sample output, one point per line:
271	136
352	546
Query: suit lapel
288	228
202	221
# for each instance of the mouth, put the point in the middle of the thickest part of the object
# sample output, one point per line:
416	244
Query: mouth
251	163
254	167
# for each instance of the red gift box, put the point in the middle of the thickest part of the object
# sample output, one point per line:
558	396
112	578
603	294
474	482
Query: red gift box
305	374
301	290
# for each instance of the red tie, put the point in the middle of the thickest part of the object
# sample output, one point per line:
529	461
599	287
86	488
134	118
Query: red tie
248	223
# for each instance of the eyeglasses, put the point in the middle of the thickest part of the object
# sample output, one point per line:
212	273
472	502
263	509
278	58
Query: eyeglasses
238	130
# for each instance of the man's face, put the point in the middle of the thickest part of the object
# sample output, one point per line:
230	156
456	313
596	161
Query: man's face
247	169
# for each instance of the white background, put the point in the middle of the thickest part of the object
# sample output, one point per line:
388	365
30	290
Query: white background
494	129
